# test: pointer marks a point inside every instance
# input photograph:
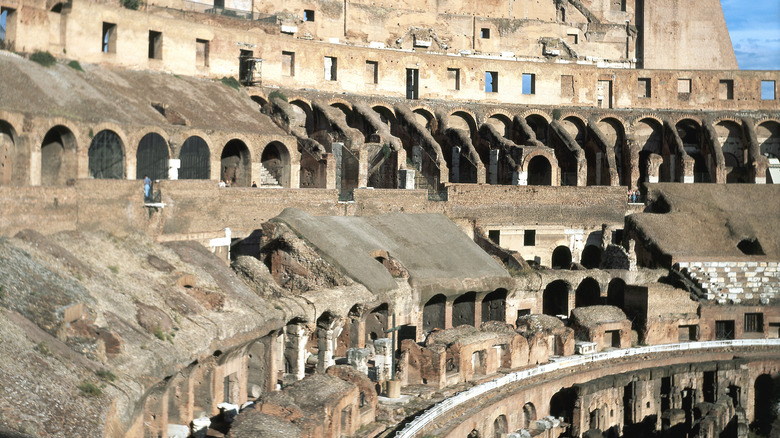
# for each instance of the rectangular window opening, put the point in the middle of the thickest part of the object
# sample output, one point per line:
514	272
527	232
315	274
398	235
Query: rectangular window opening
724	330
495	236
529	83
491	82
572	39
412	83
453	78
308	15
331	68
529	238
484	33
109	38
155	45
288	63
726	89
754	322
768	90
372	72
683	86
644	88
567	86
202	52
7	26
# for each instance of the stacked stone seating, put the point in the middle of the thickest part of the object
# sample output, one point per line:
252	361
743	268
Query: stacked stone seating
734	281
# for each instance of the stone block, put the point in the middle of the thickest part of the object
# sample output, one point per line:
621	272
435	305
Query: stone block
178	431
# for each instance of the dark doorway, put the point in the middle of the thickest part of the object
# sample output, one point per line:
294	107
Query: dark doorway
561	258
765	400
555	299
588	293
195	159
376	324
616	292
494	306
591	257
463	309
235	163
106	156
275	165
412	83
539	171
58	157
152	157
434	313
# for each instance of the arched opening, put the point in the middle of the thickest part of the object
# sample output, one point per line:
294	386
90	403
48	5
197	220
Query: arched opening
502	124
734	152
259	101
195	159
7	151
303	116
555	298
463	121
616	293
597	165
562	404
615	136
690	134
386	115
649	136
425	118
463	309
539	171
591	257
766	395
768	135
434	313
58	157
529	415
561	258
576	128
494	306
567	158
344	108
106	156
500	427
152	157
588	293
539	126
376	324
235	164
275	165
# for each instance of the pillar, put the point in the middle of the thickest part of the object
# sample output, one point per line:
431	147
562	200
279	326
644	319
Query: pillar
494	166
406	179
455	171
362	156
338	152
358	359
296	350
599	157
326	343
173	168
417	157
383	358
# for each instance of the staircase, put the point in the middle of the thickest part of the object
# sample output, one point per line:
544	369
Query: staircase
266	179
734	281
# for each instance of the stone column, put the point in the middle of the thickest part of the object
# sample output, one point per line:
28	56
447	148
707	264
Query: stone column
331	169
358	359
494	166
455	171
599	157
173	168
383	358
406	179
295	350
362	157
326	343
417	157
338	151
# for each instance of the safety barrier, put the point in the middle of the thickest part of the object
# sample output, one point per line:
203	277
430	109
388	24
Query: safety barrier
430	415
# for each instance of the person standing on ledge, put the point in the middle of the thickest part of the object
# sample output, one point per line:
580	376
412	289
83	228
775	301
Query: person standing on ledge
147	187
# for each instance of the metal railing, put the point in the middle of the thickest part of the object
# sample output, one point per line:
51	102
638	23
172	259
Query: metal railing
431	415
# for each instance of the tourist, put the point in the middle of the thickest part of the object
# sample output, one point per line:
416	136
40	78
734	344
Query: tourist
222	184
147	186
254	184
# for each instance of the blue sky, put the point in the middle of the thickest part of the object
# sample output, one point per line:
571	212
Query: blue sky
754	26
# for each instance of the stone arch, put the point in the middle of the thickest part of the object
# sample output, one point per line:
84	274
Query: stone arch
691	135
464	310
275	161
425	118
576	127
588	293
561	257
541	168
500	426
591	256
341	104
7	151
386	115
615	134
562	404
555	298
259	100
59	161
151	157
494	306
434	313
502	123
304	114
106	156
616	291
649	133
529	415
195	157
463	120
768	136
735	153
540	125
235	164
764	415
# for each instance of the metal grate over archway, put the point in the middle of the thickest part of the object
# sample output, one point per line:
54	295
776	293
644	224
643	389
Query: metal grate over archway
152	157
195	159
106	156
